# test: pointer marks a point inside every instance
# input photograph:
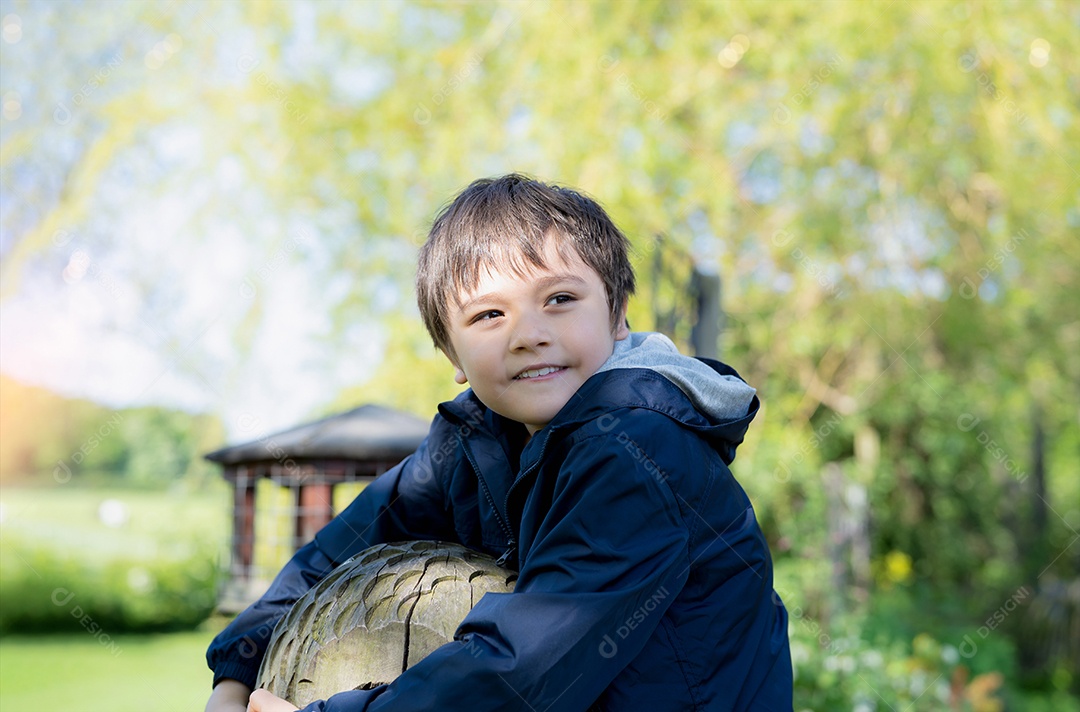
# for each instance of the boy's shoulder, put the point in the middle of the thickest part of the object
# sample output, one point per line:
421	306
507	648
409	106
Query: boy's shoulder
664	409
693	392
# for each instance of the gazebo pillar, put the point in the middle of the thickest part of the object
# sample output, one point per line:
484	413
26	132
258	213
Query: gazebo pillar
315	509
243	544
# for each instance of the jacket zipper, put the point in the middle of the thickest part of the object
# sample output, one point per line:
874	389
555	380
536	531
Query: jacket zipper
512	542
506	504
501	561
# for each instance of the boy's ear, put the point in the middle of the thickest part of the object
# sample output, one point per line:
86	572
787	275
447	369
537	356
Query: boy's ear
622	327
459	376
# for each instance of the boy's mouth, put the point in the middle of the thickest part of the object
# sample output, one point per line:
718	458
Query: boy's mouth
538	372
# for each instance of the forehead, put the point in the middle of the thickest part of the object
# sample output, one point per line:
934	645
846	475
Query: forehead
559	261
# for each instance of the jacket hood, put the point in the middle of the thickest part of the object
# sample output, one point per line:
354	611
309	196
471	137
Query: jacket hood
720	395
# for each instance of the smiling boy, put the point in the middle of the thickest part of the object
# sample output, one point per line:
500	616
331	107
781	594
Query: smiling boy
592	460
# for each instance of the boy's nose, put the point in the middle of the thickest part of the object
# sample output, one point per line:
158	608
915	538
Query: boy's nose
530	332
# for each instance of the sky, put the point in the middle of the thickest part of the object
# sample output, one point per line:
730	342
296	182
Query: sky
183	284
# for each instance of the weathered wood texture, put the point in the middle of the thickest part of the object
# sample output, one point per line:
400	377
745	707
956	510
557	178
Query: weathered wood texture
374	616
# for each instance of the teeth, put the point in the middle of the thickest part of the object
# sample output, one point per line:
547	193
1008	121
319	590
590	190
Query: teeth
539	372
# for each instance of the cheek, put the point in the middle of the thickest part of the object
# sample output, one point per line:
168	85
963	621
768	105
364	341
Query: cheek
480	360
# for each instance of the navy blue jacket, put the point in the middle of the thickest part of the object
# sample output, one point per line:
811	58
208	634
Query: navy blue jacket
644	580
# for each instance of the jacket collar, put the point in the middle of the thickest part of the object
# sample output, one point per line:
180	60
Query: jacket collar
603	393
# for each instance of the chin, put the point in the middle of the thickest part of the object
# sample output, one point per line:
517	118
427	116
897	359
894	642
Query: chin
525	418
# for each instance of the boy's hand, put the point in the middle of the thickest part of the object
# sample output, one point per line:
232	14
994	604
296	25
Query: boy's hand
229	696
263	701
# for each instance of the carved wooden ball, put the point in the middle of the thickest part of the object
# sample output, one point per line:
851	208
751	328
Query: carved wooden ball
374	616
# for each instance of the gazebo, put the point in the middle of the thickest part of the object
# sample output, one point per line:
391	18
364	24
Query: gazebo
309	460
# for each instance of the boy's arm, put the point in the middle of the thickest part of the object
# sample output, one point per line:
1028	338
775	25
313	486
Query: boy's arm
376	516
612	553
228	696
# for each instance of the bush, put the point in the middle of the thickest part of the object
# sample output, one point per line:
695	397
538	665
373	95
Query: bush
851	673
43	590
870	663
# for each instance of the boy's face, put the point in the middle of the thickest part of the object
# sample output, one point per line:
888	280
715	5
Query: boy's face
526	344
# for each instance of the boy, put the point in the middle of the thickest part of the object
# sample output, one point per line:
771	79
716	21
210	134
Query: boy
592	460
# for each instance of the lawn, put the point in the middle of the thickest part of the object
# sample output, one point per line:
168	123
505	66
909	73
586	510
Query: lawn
126	673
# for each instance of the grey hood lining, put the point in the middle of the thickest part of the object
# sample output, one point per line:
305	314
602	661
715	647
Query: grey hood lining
718	396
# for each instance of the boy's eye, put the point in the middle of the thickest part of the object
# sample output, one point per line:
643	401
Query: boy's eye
561	299
486	315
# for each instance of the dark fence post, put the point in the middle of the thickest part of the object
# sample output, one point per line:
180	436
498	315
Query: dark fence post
709	322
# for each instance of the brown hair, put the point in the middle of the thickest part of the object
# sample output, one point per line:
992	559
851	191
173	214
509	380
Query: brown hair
504	223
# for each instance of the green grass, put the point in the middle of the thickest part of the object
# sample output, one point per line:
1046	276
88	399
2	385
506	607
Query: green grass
128	673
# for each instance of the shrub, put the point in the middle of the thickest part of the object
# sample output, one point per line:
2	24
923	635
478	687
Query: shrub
43	590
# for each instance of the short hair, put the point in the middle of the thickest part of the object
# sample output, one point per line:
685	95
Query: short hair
504	223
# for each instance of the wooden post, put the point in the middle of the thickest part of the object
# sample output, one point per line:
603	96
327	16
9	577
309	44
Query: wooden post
243	553
848	545
315	509
708	317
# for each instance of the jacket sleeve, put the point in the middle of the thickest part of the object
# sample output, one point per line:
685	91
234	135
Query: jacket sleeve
376	516
603	567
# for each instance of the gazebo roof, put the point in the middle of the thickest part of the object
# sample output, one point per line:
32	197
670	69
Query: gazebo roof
367	433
